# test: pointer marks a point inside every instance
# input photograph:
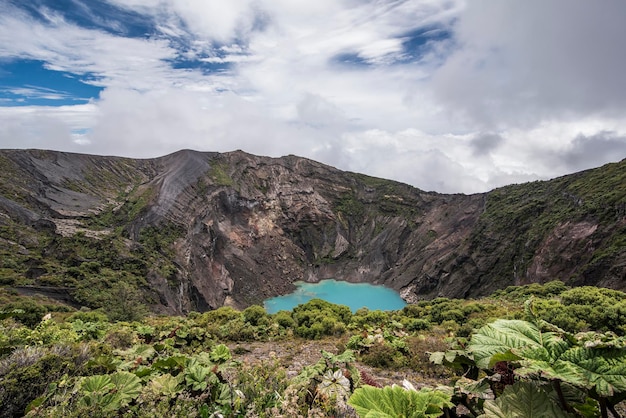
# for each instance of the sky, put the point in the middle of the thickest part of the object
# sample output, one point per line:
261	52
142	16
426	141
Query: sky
453	96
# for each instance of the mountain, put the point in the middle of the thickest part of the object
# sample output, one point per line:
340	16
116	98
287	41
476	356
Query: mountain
196	231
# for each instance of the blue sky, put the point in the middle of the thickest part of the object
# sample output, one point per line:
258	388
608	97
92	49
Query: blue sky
447	95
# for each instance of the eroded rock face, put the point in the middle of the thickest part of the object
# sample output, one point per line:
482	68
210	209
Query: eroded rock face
251	226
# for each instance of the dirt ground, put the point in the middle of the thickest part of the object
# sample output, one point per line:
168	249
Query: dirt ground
294	355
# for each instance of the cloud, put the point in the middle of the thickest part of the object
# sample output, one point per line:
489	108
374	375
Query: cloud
37	92
218	21
109	60
594	150
44	126
446	95
484	143
519	63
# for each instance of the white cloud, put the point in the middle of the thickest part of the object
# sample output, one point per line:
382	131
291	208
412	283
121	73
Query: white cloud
520	63
44	126
522	91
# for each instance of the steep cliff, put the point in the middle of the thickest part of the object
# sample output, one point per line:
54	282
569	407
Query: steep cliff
197	230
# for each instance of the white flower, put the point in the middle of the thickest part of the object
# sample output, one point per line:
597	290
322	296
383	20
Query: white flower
334	383
408	385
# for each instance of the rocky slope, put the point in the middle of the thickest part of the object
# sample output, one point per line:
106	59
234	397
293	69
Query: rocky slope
196	231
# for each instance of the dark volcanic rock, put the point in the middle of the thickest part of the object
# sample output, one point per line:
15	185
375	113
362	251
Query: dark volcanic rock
249	226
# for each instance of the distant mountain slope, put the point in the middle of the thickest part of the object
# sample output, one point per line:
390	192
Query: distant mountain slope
199	230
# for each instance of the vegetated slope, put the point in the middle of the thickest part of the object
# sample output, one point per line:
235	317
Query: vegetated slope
195	231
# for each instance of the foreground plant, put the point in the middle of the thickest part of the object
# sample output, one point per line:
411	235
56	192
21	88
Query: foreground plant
533	363
395	401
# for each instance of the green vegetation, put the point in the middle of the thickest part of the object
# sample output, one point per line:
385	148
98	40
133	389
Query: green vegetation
391	196
104	272
523	216
396	401
219	174
495	357
350	206
533	368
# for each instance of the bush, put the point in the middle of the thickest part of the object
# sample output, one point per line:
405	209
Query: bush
284	319
30	372
26	311
317	318
260	384
418	359
121	338
418	325
124	303
382	355
237	330
364	317
218	316
521	293
417	310
585	308
88	316
255	315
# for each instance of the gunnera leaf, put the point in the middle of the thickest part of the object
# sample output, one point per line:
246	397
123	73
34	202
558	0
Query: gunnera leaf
166	385
523	400
127	385
97	383
394	401
515	339
220	354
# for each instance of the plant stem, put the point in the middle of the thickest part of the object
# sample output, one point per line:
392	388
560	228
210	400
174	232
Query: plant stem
603	410
469	408
559	391
611	408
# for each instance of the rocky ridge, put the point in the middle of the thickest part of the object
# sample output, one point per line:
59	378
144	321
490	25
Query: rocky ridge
237	228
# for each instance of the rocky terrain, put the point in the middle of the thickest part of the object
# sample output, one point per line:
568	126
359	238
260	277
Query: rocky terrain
203	230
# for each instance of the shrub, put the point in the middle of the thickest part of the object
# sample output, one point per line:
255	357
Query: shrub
521	293
419	348
88	316
383	355
218	316
364	317
124	303
585	308
417	310
255	315
418	325
284	319
30	372
26	311
319	317
260	384
121	338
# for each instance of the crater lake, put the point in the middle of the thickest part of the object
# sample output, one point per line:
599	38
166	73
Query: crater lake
353	295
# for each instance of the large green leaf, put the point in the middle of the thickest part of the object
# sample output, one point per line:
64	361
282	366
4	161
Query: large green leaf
558	369
220	354
523	400
334	384
346	357
98	392
394	401
97	383
172	365
514	339
127	385
197	376
602	369
551	355
165	384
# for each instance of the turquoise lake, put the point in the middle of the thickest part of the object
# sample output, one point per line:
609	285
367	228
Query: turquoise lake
354	295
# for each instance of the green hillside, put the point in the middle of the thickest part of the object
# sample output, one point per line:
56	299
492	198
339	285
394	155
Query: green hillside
562	353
